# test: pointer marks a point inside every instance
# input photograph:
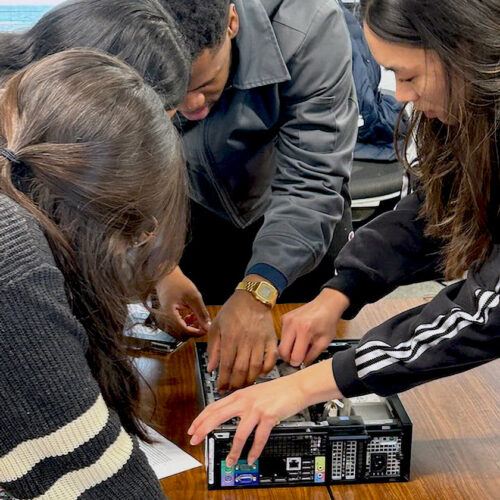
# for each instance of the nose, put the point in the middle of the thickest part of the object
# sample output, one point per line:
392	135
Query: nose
405	93
193	101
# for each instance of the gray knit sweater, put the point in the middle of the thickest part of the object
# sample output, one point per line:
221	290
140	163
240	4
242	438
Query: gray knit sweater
58	439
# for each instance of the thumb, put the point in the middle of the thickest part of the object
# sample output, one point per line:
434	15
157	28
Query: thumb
197	306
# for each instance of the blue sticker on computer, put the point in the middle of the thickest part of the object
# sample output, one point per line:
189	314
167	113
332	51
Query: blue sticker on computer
242	474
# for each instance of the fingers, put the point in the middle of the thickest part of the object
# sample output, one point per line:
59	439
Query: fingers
288	335
261	436
299	350
245	428
196	304
213	348
250	360
194	332
256	363
239	372
315	350
210	418
182	326
271	356
209	410
172	323
227	359
248	363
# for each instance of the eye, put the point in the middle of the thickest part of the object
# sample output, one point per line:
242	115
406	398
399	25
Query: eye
406	80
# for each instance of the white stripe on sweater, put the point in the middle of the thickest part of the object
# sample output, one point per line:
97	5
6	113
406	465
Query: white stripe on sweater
427	330
72	485
413	348
20	460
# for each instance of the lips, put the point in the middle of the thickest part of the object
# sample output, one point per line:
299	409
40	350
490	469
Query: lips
197	115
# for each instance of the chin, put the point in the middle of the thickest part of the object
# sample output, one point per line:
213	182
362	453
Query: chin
441	116
447	119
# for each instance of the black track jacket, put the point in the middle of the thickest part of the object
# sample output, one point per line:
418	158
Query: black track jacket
458	330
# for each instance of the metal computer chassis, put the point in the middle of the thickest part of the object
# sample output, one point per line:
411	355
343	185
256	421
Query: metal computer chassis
356	440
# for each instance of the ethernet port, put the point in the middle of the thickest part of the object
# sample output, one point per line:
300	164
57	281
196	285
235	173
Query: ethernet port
293	463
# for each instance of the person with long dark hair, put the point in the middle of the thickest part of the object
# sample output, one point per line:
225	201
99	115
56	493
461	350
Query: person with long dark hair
141	33
446	59
82	233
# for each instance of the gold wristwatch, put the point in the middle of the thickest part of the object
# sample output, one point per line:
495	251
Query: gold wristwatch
261	290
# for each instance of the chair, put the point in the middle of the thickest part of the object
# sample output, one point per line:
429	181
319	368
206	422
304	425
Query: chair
375	188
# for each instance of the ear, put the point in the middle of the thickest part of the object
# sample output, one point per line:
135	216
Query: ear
234	22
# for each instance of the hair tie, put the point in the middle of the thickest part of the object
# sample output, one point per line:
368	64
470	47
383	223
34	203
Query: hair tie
9	155
21	174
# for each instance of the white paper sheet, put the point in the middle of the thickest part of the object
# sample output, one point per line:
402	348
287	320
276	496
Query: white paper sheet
166	459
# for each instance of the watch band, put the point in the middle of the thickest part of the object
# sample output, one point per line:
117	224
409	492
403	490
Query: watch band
249	286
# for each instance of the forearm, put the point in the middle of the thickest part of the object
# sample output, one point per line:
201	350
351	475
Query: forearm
313	152
390	251
456	331
56	424
317	383
293	239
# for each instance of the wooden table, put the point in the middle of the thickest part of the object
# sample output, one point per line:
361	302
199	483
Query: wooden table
456	437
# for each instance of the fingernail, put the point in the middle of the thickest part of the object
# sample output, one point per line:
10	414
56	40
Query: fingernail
190	431
229	462
250	461
193	441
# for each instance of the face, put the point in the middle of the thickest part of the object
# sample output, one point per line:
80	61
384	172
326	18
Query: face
209	75
420	75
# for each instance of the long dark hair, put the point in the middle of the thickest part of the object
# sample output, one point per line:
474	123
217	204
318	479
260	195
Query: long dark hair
106	171
457	164
139	32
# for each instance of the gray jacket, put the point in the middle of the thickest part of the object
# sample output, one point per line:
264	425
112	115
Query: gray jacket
279	142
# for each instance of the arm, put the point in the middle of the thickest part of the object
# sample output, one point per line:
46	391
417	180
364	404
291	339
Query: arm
389	251
313	160
262	406
458	330
313	153
57	435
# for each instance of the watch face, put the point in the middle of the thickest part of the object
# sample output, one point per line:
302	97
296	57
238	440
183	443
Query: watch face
266	291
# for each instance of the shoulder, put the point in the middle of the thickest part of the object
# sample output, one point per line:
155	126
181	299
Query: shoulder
299	15
23	246
294	21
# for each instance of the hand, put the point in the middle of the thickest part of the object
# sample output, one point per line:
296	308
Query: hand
307	331
244	327
262	406
183	311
